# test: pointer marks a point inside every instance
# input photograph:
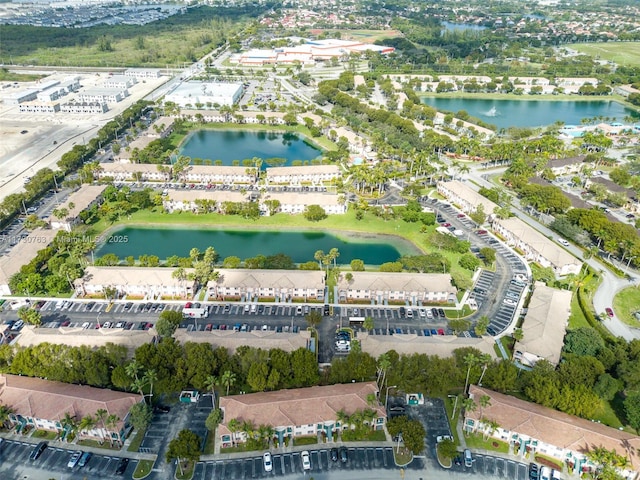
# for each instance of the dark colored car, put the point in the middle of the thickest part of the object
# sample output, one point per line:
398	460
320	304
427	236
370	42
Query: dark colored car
434	312
403	311
534	473
458	460
609	311
128	305
334	454
344	454
426	332
37	450
325	310
122	466
441	313
161	409
84	459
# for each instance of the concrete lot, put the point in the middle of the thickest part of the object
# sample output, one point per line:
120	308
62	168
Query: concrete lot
23	154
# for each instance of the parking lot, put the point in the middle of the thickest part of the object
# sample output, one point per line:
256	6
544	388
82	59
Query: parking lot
15	456
289	463
495	467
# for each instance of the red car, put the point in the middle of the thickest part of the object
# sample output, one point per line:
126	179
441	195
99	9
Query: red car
609	311
440	331
461	215
481	232
208	327
446	225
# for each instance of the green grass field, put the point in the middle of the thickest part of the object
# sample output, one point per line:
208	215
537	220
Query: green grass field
366	36
625	303
622	53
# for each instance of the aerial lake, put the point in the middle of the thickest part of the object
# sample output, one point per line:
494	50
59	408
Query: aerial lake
225	146
299	245
531	113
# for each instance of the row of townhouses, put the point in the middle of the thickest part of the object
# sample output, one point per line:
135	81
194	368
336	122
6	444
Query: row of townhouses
289	202
275	285
220	175
534	246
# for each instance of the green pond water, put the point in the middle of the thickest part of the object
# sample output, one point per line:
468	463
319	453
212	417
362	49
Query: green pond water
299	245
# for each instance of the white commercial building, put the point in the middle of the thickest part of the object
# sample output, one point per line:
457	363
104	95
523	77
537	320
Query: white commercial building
205	94
142	73
21	97
39	107
84	107
121	82
102	95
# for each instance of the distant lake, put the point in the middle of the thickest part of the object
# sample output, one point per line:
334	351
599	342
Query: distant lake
531	113
461	27
230	145
301	246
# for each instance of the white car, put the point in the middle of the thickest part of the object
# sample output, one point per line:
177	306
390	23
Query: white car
545	473
409	313
306	461
562	241
266	462
423	313
509	301
75	458
85	325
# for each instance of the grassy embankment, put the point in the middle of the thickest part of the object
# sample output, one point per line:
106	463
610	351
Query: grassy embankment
343	226
613	51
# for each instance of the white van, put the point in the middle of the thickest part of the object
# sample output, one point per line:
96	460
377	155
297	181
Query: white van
468	459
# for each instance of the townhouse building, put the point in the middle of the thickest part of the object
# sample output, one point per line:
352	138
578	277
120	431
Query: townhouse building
535	247
297	202
300	412
275	285
465	197
532	429
92	108
22	252
632	199
397	288
544	326
191	200
44	405
152	283
303	175
79	201
567	166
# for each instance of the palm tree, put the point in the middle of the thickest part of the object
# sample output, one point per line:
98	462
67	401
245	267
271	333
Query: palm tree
228	379
101	415
132	369
86	424
149	378
470	360
68	424
232	425
490	426
485	401
383	364
210	384
343	419
111	423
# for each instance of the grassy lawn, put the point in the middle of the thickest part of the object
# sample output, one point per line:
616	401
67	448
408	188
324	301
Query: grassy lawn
478	442
45	434
403	456
187	471
143	469
548	461
137	441
7	76
209	445
298	441
507	343
629	55
92	443
625	303
376	436
242	447
577	318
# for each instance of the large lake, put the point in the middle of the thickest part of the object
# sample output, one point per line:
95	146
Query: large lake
229	145
300	246
531	113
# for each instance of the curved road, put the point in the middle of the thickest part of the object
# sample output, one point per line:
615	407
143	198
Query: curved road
611	283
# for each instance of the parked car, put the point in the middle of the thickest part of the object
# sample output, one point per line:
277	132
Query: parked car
267	462
409	313
306	461
84	459
122	466
545	473
534	473
37	450
508	301
344	454
468	459
75	458
441	313
334	454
